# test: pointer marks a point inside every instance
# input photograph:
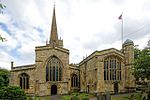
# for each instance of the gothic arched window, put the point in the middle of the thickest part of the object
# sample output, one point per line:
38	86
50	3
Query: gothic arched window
24	81
74	80
54	69
112	68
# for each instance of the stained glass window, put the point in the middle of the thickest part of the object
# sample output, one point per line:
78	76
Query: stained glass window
112	68
54	69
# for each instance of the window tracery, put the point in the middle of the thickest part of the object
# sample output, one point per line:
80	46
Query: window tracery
24	81
54	69
112	68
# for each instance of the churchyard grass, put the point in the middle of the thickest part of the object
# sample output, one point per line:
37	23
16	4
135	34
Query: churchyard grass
79	95
132	96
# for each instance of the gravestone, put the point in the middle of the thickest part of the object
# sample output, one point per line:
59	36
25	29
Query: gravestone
107	96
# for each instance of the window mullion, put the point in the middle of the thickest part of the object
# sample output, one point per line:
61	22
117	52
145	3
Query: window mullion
57	71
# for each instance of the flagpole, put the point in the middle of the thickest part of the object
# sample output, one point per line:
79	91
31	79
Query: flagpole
121	18
122	30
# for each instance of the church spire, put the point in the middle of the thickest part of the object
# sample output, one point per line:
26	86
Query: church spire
54	37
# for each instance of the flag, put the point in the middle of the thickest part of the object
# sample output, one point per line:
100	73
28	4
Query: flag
120	17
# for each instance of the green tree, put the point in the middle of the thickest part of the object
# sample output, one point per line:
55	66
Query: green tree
2	6
4	77
137	53
142	62
12	93
148	45
9	92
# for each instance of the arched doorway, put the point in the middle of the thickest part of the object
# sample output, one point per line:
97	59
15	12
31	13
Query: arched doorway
115	87
53	89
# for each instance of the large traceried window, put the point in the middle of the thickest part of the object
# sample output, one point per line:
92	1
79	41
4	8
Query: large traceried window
112	68
106	70
54	69
24	81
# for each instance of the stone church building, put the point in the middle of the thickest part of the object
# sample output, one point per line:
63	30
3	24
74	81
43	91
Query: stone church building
106	70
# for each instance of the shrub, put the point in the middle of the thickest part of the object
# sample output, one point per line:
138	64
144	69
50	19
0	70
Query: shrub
12	93
75	98
4	79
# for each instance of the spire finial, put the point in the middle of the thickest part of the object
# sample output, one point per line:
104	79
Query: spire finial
54	3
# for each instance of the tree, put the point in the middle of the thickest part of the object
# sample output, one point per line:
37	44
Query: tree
137	53
2	6
4	77
9	92
148	44
12	93
142	62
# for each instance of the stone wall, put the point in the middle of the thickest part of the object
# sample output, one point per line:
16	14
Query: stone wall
15	80
73	69
93	68
43	54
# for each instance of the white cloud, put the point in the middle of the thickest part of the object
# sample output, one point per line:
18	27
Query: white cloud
84	25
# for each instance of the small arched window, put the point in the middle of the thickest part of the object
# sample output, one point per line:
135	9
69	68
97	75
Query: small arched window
54	69
24	81
74	80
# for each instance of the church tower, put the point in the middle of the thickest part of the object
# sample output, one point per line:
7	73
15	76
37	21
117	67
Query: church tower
54	42
52	65
128	48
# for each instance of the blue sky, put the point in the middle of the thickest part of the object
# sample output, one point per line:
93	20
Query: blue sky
84	25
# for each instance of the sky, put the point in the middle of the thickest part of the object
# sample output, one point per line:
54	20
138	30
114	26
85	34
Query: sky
84	25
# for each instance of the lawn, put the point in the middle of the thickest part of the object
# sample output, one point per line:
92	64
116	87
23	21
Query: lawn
38	98
78	95
132	96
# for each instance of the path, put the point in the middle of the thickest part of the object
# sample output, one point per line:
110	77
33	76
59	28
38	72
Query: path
55	97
